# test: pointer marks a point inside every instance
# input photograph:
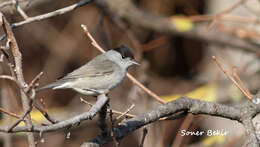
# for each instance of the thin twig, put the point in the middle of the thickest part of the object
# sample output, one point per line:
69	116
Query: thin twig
145	131
224	17
236	76
22	118
45	114
4	52
11	79
6	103
113	111
9	113
145	89
126	112
10	65
140	85
7	3
184	126
234	6
230	77
14	115
34	82
20	10
5	111
19	120
52	14
228	10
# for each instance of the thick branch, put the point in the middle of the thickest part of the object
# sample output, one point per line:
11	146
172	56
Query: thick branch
181	104
240	113
252	140
102	99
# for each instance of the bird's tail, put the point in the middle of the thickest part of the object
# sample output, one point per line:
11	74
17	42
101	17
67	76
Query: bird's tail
49	86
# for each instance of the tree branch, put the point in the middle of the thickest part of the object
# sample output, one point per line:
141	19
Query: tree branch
241	113
19	76
182	104
102	99
125	9
52	14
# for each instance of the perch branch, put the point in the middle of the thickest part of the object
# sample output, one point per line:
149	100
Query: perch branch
239	113
108	110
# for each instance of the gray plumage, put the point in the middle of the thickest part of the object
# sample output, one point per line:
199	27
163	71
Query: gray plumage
100	75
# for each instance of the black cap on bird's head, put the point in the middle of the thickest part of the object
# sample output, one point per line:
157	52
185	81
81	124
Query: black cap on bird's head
125	52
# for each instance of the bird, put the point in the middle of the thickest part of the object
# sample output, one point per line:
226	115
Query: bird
100	75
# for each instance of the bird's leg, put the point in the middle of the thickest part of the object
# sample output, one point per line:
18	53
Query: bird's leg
102	122
102	119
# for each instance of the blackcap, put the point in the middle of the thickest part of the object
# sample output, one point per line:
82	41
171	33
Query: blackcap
98	76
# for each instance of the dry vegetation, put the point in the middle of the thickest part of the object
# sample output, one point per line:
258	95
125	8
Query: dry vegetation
174	40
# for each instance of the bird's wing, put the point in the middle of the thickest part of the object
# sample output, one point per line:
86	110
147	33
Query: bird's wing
91	69
95	68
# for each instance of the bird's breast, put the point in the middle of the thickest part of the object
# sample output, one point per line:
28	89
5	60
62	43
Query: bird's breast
117	78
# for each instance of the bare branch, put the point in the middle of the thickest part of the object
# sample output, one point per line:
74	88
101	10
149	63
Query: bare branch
252	140
242	113
6	103
138	17
113	111
45	114
239	113
52	14
126	112
21	119
10	2
102	99
236	76
11	79
19	75
145	131
231	78
34	82
184	126
19	9
9	113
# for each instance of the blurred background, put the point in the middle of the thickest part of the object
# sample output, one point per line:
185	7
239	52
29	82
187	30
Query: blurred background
171	66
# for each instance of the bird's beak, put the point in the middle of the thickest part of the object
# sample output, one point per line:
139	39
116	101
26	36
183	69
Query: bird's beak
135	62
